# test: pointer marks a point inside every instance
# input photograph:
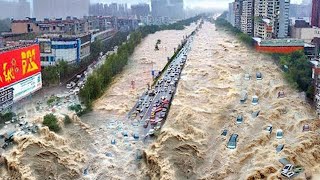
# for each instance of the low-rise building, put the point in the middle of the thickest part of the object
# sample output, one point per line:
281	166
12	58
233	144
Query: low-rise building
72	49
305	33
150	20
67	26
282	46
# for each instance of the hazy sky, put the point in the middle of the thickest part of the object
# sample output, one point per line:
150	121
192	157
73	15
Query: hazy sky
188	3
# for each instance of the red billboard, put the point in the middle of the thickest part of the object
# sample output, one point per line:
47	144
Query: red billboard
19	64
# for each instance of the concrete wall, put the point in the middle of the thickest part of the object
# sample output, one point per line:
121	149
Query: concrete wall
306	34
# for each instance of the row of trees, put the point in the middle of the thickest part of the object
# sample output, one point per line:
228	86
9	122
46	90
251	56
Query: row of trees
102	77
297	71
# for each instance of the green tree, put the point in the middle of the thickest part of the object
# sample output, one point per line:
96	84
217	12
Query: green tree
51	122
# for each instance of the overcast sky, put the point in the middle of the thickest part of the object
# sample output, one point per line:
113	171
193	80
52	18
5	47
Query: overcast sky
188	3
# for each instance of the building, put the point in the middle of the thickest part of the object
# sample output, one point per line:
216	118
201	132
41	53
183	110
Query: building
150	20
246	19
282	46
159	8
231	15
140	10
67	26
60	8
315	17
271	14
305	33
175	8
15	10
237	13
300	11
316	84
69	48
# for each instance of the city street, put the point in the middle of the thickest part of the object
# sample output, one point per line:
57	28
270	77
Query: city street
153	106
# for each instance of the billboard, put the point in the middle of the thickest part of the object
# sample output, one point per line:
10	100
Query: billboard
18	64
20	74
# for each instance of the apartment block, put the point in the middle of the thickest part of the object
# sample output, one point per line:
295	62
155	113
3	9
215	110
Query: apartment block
247	16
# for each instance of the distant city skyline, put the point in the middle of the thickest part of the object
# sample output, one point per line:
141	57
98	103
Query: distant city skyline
219	4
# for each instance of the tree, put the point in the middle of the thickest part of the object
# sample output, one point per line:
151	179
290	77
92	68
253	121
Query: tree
51	122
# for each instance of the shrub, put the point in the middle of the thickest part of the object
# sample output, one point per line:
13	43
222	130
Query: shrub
67	120
51	122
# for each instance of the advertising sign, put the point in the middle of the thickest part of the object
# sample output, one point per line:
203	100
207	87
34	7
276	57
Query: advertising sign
19	64
19	90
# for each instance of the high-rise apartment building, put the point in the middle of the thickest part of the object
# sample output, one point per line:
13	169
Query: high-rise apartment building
140	10
271	18
231	15
168	8
237	13
60	8
246	18
315	19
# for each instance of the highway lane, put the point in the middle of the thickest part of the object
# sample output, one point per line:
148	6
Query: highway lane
164	88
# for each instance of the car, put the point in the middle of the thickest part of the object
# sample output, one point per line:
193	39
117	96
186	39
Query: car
288	175
162	115
232	143
305	128
259	76
125	133
151	132
69	86
224	132
269	129
255	114
153	122
239	119
146	123
287	168
244	97
279	134
255	100
279	147
247	77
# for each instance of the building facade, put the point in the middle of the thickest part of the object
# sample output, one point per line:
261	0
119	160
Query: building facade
72	49
140	10
237	13
271	15
247	17
67	26
60	8
315	19
231	15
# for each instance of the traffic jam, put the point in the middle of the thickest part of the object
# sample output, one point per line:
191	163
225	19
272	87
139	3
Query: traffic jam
152	107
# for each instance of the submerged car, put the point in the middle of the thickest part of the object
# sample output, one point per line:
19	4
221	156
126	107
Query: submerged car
232	144
255	100
279	134
239	119
259	76
269	129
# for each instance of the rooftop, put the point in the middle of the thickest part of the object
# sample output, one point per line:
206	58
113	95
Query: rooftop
279	42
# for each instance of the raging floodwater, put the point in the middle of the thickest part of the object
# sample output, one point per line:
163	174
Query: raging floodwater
190	145
207	101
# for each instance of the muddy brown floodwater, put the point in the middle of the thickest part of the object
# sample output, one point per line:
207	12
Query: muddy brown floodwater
207	101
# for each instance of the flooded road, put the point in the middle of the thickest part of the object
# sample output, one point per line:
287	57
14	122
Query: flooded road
190	145
208	101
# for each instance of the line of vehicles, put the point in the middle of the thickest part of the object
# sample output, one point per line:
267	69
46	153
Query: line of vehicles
153	106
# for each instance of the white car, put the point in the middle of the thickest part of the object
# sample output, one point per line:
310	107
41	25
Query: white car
151	132
279	134
287	171
255	100
247	77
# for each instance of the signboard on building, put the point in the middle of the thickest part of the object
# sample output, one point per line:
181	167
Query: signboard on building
20	74
18	64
